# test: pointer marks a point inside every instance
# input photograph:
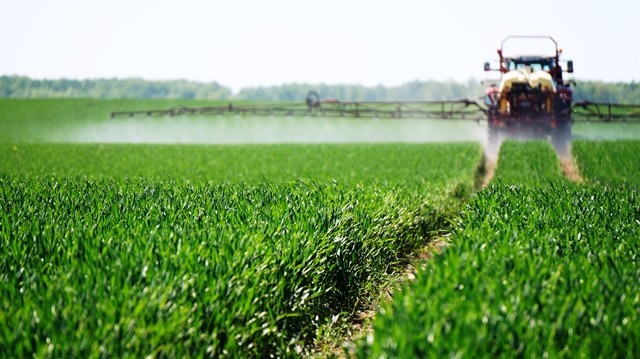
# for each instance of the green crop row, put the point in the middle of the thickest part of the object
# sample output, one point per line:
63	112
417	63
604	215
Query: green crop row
208	251
609	162
533	162
125	267
534	270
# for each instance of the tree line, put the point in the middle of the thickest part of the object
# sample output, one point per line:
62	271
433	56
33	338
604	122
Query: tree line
598	91
24	87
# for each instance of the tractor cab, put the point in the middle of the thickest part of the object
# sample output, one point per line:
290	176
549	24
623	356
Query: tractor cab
534	63
549	63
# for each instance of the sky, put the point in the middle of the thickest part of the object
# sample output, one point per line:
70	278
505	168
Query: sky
249	43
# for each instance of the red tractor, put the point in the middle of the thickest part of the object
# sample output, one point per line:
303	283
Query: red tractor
532	100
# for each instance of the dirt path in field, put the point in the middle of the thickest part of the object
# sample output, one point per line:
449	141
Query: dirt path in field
570	169
489	164
360	326
489	171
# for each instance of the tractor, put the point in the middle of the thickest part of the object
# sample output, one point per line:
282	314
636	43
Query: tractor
532	100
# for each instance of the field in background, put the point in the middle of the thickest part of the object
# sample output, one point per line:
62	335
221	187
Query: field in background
88	121
418	165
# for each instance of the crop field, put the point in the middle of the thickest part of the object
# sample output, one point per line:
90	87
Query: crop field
609	162
416	165
270	246
209	249
118	267
537	267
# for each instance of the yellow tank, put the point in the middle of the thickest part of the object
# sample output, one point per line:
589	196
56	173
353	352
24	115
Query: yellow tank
525	75
542	79
512	77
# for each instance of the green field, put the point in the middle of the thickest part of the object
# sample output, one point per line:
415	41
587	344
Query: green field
609	162
170	248
179	268
417	165
537	267
209	249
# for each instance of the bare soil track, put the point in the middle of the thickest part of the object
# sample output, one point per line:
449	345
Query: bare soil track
570	169
489	171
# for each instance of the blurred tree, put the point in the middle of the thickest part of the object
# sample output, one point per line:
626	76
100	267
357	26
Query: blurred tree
19	86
